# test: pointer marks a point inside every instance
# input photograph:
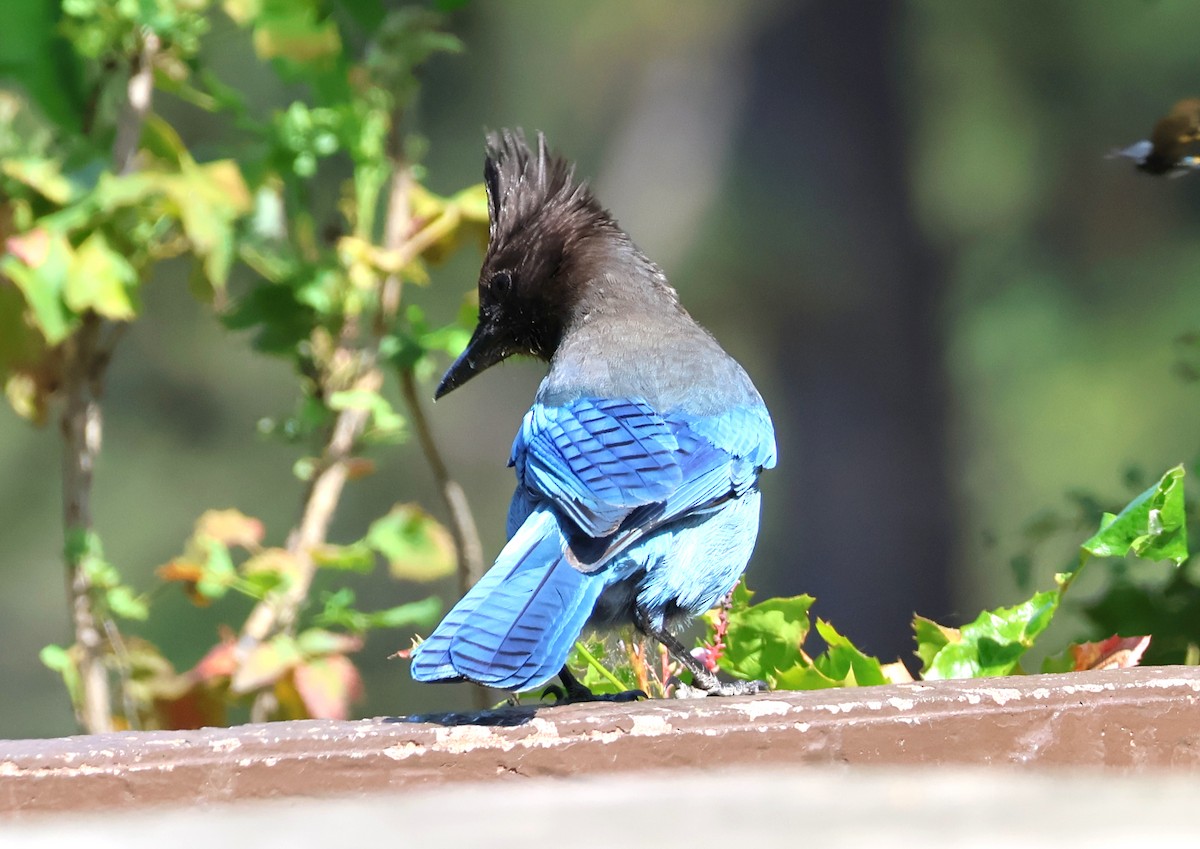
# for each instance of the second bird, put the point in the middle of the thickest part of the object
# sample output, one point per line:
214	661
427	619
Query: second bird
637	467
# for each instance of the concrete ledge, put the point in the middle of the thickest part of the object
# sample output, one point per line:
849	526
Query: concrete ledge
1134	719
830	808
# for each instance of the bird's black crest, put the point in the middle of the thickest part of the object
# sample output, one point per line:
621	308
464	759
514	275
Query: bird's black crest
527	188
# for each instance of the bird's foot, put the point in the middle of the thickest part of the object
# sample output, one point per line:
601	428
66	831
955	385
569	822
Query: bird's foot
573	691
563	696
719	688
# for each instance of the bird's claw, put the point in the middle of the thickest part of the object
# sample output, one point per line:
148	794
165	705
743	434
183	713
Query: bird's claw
733	688
554	690
583	694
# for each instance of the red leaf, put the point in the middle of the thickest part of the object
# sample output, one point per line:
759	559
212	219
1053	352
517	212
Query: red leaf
180	570
231	527
328	685
266	664
220	662
198	707
359	467
1114	653
31	248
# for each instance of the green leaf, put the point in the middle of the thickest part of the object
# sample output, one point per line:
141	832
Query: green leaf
415	545
43	176
803	676
764	638
273	310
844	662
416	613
38	263
219	573
384	418
102	280
357	557
58	659
316	642
33	51
259	584
339	612
294	30
1152	526
366	13
210	199
931	639
127	604
994	643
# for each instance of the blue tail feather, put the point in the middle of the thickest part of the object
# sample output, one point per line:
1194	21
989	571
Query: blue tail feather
515	628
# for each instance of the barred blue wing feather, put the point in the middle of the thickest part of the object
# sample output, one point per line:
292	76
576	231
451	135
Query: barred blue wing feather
596	459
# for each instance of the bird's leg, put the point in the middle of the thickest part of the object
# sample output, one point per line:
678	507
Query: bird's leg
572	690
704	683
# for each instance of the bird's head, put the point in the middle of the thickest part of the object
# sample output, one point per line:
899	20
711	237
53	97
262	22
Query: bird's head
545	230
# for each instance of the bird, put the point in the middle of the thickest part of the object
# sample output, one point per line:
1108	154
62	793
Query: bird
638	464
1172	144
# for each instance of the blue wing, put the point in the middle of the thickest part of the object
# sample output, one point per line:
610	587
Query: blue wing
596	460
595	475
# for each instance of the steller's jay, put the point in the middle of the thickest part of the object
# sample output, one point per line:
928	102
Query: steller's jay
637	467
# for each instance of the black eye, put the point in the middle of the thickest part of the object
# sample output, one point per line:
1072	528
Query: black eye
500	284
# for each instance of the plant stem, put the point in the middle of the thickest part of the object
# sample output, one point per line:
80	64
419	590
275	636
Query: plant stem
598	666
462	522
278	611
85	358
81	430
397	237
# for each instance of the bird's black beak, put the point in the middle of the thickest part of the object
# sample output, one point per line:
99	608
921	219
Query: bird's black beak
484	350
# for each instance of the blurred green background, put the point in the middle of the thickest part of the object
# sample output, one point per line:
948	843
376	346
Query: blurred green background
898	216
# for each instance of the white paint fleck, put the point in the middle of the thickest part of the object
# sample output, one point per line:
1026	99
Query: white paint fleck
543	728
1001	695
753	710
403	751
650	726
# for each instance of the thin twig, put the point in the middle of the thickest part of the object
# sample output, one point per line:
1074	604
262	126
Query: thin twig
278	611
81	431
139	94
462	522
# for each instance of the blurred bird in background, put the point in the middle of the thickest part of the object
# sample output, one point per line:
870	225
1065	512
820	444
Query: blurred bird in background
637	467
1172	145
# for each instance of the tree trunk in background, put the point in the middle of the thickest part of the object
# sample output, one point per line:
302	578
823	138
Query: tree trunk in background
862	483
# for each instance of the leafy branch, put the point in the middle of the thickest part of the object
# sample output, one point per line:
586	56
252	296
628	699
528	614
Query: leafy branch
765	640
84	228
